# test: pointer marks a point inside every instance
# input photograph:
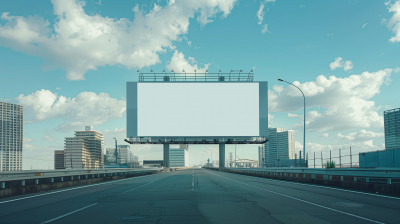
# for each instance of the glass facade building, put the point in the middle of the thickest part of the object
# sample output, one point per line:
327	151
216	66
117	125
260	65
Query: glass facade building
179	157
11	136
280	146
392	129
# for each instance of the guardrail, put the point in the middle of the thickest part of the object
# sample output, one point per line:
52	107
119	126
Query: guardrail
377	180
10	179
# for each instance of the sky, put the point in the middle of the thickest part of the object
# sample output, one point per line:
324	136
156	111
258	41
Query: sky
67	62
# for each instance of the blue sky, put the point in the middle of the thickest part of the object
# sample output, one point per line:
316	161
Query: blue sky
67	62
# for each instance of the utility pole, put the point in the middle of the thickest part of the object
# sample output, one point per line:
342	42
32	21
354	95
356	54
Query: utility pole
314	159
340	159
71	160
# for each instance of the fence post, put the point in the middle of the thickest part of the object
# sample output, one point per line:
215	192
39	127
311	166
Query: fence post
322	161
377	157
351	161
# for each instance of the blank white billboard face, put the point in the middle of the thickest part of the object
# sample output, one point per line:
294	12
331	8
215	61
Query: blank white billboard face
196	109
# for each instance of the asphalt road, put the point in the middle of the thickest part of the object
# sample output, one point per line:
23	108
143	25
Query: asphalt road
200	196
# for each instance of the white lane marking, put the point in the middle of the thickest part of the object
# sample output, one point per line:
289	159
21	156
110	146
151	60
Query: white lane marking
338	189
136	187
109	182
59	217
193	181
360	217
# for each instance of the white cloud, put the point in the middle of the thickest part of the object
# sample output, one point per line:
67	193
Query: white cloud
324	135
345	101
86	108
99	3
49	138
348	65
80	42
27	140
394	22
338	63
302	6
364	25
265	29
58	88
179	63
270	119
278	88
269	0
329	34
187	40
361	135
260	14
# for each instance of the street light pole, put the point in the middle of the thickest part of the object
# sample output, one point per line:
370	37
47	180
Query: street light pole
304	133
207	157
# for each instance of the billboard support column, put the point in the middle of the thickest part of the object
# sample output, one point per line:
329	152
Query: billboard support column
221	155
166	157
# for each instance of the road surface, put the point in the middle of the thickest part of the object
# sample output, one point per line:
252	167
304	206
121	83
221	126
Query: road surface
200	196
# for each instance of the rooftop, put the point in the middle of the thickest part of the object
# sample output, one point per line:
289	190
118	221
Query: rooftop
232	76
391	111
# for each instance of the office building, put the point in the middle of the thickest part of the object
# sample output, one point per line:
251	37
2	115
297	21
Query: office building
261	156
179	157
124	155
11	136
84	150
59	159
286	144
280	146
392	129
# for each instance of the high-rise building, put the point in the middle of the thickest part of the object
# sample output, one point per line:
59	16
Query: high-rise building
280	146
392	128
84	150
123	155
261	156
179	157
59	159
11	136
286	144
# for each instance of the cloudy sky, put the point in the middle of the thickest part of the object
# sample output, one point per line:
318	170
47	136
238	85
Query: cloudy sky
67	62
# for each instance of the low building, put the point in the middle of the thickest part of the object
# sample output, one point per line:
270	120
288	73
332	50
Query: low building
153	163
59	159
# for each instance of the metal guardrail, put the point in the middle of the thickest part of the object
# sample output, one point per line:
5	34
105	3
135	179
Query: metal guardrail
64	175
378	175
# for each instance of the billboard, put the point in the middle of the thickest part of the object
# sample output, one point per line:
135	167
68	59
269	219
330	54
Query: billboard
197	109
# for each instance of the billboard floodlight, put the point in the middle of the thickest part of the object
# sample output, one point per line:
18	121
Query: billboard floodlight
137	71
163	70
151	70
183	70
172	70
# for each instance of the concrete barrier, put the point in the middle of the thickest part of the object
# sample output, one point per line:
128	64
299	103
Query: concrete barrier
361	182
11	187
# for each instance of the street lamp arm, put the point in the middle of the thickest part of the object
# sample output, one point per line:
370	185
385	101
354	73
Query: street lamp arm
304	134
294	86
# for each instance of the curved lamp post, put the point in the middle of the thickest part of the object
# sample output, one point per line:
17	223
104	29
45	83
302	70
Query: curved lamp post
304	133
